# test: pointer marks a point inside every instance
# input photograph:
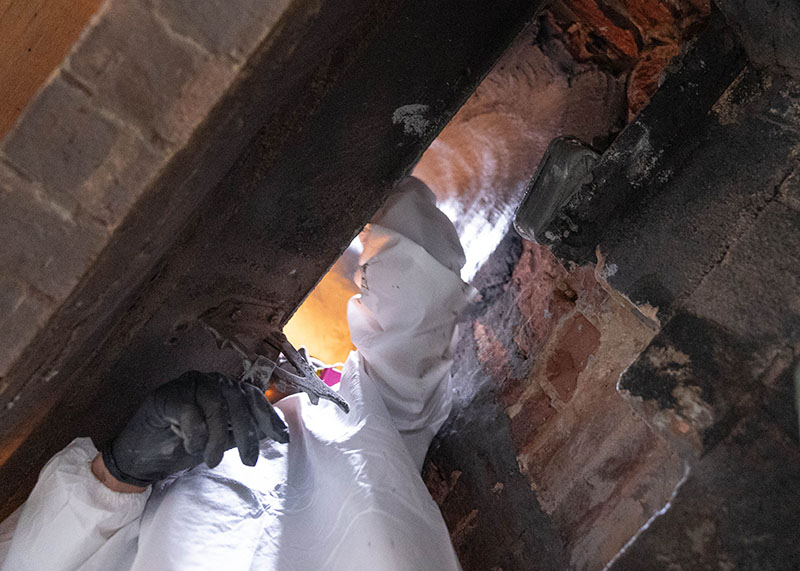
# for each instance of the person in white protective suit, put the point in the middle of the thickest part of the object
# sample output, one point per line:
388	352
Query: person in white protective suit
344	493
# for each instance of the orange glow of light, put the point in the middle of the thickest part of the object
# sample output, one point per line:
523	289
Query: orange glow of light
35	36
320	323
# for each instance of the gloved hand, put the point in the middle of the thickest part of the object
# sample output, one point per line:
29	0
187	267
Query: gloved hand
191	419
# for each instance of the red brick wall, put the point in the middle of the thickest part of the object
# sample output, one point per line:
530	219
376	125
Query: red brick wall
538	369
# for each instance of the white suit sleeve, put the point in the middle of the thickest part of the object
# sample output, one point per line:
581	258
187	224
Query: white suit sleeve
70	515
403	322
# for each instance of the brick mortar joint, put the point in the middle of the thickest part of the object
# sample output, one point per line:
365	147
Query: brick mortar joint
39	193
155	143
754	210
782	195
73	80
27	291
537	377
94	20
74	216
18	171
47	369
32	291
166	26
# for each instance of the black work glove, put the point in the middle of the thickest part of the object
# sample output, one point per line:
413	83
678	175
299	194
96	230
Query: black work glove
191	419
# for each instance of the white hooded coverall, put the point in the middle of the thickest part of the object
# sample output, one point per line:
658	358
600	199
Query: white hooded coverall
345	493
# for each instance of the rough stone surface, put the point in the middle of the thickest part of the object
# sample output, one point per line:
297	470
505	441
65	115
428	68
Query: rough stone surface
569	418
544	464
770	31
78	141
754	289
702	207
740	155
716	185
711	238
222	27
23	313
43	244
140	70
537	370
72	172
689	382
88	162
736	510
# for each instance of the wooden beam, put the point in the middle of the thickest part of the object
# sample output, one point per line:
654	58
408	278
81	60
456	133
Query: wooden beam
35	36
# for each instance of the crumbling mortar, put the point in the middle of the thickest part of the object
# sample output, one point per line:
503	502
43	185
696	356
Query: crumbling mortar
155	142
37	294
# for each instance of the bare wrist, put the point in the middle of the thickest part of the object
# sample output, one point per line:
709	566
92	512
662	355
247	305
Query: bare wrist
101	473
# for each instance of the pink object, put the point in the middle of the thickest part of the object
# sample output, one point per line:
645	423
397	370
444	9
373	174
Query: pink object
330	376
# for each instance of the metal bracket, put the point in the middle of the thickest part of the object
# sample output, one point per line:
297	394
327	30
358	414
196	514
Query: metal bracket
232	319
